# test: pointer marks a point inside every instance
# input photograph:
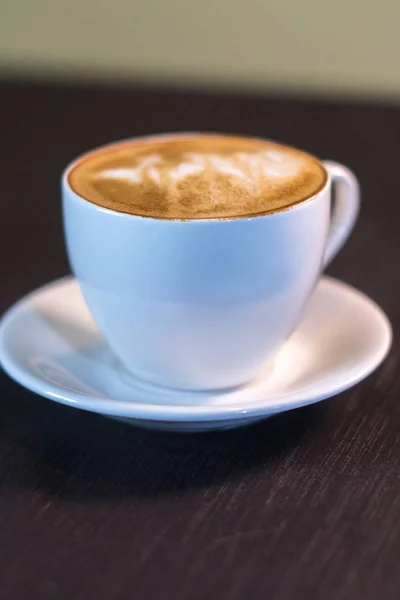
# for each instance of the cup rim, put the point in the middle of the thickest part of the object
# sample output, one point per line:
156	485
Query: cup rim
125	141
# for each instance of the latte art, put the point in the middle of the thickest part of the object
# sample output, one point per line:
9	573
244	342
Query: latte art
199	176
249	168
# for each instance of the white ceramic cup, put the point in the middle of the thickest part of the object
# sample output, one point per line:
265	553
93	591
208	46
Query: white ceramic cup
204	304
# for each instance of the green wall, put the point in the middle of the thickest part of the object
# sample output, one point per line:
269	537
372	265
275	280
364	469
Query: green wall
344	46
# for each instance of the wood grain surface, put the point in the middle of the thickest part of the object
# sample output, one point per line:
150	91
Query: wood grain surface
303	506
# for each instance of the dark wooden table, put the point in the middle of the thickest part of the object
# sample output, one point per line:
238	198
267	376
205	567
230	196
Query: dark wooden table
305	506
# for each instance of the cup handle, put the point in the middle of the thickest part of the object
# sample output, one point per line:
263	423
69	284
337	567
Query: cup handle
345	209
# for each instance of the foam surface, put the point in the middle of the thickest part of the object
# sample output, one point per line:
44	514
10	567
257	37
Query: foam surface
197	176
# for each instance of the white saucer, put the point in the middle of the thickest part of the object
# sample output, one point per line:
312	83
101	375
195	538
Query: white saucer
50	344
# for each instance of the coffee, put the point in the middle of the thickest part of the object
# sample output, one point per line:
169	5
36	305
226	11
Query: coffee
197	176
201	304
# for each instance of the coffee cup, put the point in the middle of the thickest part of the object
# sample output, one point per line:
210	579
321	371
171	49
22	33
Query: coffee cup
201	298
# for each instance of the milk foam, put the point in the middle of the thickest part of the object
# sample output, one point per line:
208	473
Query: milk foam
246	167
199	177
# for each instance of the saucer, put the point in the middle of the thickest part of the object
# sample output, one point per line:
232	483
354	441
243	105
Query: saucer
50	344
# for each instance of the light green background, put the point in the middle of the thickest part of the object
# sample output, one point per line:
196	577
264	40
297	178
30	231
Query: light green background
341	46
